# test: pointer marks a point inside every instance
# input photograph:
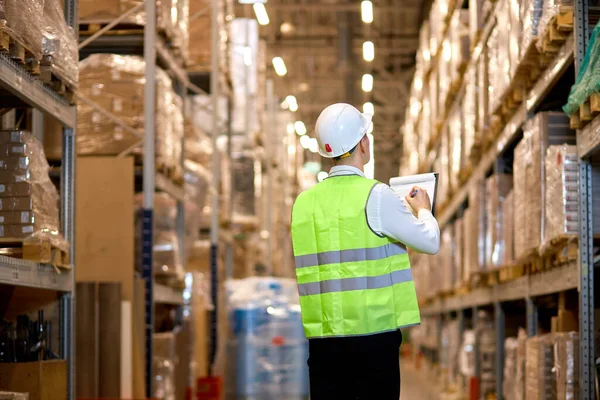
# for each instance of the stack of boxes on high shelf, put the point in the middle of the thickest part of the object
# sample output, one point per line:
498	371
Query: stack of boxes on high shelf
508	217
526	208
35	34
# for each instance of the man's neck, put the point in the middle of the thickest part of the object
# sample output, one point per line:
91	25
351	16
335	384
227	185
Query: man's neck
350	164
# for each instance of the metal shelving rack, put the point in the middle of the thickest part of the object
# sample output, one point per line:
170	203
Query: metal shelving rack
24	90
155	52
574	275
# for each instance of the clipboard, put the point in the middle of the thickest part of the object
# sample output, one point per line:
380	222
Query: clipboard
402	185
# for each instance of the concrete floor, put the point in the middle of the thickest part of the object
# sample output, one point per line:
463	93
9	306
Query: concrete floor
415	386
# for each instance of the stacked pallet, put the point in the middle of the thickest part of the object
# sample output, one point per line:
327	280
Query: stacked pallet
28	202
34	34
112	122
172	19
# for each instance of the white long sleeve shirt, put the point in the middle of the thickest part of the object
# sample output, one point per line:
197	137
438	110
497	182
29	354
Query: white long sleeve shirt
389	215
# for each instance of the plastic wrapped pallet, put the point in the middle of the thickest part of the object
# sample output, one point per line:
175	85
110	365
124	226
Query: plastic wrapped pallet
561	216
444	167
166	249
198	145
244	43
200	42
486	335
116	84
469	117
511	349
483	94
474	233
507	256
519	389
104	12
467	354
444	69
424	52
434	100
164	360
479	11
531	13
60	51
498	187
425	124
22	21
544	129
459	37
515	36
456	147
539	363
566	365
437	17
445	259
458	252
267	351
28	199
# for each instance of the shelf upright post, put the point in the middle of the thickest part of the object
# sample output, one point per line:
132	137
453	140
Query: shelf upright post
500	333
149	182
181	90
216	172
586	240
270	151
532	316
476	352
67	299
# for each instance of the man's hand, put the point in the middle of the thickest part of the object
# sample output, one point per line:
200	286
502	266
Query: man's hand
418	199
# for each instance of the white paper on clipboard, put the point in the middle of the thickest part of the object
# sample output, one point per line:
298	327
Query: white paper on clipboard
402	185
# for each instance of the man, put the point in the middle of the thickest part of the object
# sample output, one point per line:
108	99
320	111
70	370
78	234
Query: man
356	291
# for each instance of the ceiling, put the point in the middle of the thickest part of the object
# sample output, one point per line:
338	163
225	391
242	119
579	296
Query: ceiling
321	44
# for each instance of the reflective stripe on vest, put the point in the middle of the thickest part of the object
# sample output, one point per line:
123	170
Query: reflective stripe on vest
351	255
360	283
351	281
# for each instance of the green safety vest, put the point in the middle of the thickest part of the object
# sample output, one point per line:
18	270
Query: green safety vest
351	281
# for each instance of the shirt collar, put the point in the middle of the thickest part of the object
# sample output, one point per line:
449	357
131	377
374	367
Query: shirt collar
341	170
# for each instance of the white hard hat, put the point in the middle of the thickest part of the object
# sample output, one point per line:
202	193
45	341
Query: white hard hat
339	128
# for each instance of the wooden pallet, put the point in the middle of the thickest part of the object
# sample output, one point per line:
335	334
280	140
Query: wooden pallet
559	28
530	261
511	272
38	250
19	52
587	112
559	250
53	78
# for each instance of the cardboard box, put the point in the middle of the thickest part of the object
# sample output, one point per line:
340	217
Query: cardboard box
19	189
16	204
44	380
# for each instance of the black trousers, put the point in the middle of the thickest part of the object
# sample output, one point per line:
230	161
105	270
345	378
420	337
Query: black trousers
355	368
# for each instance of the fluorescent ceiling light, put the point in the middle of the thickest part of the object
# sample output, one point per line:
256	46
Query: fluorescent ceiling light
300	128
290	128
367	82
313	145
304	141
366	11
261	13
368	108
368	51
279	66
292	103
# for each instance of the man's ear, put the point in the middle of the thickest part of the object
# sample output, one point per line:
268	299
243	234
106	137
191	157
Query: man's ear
363	144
